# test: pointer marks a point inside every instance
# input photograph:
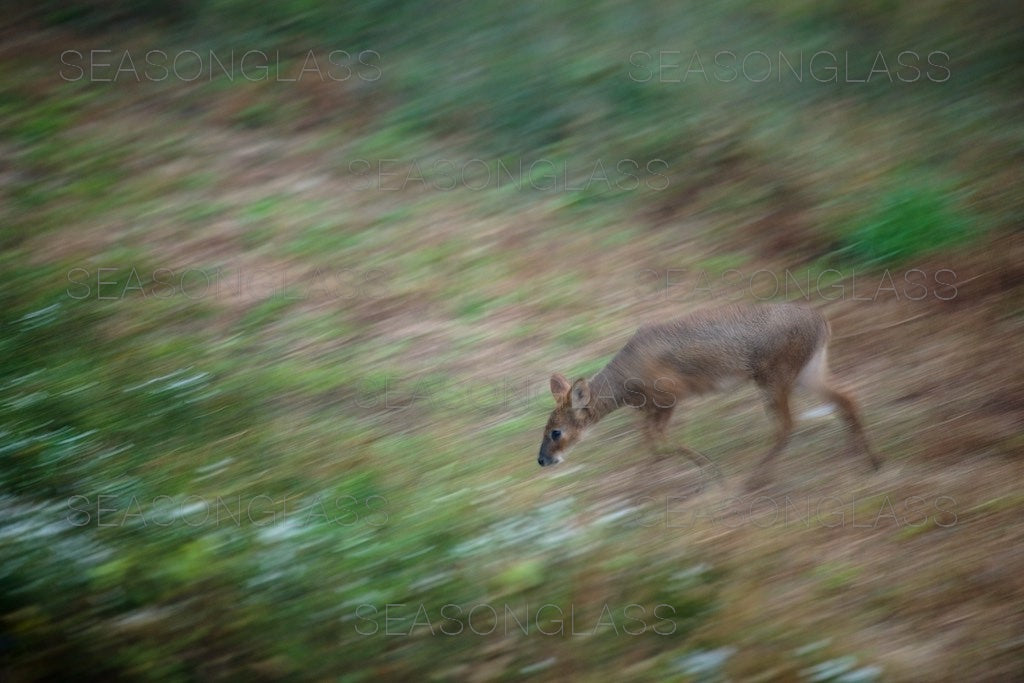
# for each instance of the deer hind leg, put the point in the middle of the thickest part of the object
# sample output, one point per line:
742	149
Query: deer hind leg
851	415
816	378
777	400
655	434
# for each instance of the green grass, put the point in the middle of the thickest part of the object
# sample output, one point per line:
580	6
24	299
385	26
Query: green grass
907	223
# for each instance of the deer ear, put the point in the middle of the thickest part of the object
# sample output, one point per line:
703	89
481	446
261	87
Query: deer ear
559	387
579	397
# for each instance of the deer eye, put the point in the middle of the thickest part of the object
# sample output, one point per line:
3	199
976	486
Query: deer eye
555	434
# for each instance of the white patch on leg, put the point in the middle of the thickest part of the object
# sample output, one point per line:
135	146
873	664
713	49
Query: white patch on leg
812	376
820	411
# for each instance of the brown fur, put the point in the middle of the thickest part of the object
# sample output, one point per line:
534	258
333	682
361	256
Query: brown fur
777	346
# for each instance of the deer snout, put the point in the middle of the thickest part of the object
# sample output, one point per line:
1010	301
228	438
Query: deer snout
543	459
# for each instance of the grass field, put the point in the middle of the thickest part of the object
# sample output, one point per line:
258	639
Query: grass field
276	352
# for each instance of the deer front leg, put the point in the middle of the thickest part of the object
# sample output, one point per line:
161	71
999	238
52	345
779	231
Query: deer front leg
655	427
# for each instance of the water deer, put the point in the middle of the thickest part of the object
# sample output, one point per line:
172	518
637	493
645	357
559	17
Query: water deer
777	346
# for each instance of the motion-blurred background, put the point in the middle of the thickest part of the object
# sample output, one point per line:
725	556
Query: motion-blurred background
283	285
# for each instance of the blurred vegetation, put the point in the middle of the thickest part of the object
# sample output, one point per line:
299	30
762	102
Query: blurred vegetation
905	223
142	406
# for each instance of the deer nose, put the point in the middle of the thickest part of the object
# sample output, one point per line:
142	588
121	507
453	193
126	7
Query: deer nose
540	461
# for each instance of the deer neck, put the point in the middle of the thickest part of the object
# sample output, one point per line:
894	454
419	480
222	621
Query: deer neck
607	391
